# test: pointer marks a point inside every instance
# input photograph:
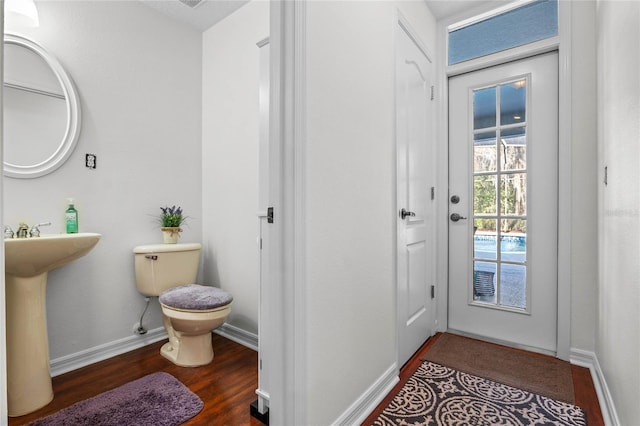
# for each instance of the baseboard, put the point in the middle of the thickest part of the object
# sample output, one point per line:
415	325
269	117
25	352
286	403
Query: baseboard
363	406
99	353
238	335
589	360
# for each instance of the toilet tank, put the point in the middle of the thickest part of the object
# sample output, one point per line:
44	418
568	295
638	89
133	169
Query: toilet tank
160	267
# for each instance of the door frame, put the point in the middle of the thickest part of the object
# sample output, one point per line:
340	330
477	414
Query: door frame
284	331
3	347
561	43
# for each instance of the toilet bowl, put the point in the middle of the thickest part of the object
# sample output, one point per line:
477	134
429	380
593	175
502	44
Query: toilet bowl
190	311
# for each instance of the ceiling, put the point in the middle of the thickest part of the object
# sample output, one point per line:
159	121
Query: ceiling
445	8
209	12
202	17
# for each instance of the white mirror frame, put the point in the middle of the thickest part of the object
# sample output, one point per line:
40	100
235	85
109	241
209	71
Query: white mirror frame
72	132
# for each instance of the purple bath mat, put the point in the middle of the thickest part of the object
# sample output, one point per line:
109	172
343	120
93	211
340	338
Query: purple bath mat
156	399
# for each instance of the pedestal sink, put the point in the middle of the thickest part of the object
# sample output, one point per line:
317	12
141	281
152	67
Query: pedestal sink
27	262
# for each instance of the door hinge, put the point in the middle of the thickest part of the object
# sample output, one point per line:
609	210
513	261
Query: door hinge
433	193
433	291
433	92
270	215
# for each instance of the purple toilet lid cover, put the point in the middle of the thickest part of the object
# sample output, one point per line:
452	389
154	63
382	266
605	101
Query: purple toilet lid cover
195	297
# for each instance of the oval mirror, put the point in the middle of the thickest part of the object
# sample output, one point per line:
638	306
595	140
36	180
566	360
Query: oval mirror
41	110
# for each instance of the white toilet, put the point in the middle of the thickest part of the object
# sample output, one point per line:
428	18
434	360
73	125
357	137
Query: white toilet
190	311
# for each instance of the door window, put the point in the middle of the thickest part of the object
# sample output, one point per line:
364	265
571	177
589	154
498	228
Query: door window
499	138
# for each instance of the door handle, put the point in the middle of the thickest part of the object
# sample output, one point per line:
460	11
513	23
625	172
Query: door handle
456	217
404	213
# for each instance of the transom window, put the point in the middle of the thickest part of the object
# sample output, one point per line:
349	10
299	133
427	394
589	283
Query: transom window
484	35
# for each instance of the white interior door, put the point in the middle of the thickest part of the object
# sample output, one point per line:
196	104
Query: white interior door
263	206
415	177
503	180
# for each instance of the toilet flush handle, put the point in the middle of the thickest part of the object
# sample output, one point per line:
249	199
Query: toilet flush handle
151	257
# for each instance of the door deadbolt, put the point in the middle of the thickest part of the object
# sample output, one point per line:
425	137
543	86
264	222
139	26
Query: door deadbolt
456	217
455	199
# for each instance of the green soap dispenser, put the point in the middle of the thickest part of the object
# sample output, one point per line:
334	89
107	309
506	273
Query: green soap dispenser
71	218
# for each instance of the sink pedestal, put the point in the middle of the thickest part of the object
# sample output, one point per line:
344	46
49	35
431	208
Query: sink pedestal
26	264
28	371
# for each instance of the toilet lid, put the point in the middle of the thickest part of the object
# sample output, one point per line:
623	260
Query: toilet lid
195	297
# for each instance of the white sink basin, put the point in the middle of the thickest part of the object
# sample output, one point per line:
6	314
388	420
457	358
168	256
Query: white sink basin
27	263
28	257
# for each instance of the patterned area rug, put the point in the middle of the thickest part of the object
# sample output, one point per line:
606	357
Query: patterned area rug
438	395
154	400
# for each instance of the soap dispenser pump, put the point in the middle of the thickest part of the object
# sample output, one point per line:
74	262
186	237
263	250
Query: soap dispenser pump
71	218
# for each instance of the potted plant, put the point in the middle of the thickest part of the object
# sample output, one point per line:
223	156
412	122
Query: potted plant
170	221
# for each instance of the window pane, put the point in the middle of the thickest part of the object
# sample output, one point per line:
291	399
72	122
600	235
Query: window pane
484	108
514	149
484	152
484	282
484	239
513	225
484	195
513	240
513	100
513	285
532	22
513	194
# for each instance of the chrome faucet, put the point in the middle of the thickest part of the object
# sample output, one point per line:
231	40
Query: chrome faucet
35	230
23	231
8	232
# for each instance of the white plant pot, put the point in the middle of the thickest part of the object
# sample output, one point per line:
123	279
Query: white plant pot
170	235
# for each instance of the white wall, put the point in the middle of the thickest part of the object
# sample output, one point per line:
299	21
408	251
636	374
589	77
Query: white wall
139	79
230	118
618	332
350	175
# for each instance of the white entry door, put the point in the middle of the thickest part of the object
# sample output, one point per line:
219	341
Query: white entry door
415	205
503	205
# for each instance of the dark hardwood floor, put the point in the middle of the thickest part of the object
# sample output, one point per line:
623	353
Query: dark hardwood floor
585	393
226	386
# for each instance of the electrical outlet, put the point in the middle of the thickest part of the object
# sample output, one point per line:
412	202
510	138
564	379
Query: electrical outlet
90	161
